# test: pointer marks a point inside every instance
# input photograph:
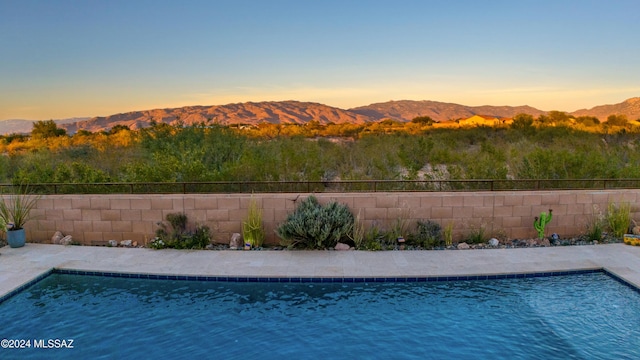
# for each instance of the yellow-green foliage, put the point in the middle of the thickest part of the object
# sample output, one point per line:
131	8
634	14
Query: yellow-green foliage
619	218
550	147
252	228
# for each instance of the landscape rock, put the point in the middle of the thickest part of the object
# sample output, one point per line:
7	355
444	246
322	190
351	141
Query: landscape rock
463	246
545	242
341	246
126	243
57	236
236	242
113	243
67	240
494	242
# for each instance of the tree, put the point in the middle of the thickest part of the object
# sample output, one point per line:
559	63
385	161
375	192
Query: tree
588	120
423	120
559	117
522	122
617	120
118	128
46	129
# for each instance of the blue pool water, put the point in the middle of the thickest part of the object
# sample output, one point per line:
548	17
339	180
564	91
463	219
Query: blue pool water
587	316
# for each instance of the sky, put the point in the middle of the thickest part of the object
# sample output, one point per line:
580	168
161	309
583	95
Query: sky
67	58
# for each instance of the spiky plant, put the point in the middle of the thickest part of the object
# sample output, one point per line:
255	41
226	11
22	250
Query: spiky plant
252	229
15	209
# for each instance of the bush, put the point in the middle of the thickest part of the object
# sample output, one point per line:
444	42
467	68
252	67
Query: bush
477	234
595	225
428	235
176	235
618	219
314	226
252	229
375	238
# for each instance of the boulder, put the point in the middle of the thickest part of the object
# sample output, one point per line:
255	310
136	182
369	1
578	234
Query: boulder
67	240
545	243
463	246
126	243
113	243
494	242
341	246
57	236
236	242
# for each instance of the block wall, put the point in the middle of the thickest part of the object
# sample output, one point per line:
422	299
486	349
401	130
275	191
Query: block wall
96	219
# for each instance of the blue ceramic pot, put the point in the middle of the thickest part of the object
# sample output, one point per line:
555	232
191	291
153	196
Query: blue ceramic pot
16	238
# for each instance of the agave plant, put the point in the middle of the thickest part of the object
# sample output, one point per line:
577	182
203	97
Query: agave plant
15	210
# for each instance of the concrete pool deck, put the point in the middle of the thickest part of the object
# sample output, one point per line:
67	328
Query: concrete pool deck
22	265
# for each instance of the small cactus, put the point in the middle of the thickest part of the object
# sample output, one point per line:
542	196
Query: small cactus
540	222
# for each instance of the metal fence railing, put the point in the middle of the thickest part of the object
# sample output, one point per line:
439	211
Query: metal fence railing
322	186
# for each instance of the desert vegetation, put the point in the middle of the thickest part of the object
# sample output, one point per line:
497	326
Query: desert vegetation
552	146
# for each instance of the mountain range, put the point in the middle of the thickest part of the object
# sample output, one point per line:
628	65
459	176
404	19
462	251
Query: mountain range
296	112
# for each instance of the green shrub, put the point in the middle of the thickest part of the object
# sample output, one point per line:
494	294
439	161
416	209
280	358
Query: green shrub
252	229
314	226
448	234
176	235
618	219
595	225
375	238
477	234
428	235
358	234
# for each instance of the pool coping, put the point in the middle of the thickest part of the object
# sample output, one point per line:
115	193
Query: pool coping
37	261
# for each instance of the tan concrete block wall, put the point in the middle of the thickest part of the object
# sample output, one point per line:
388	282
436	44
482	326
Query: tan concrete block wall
96	219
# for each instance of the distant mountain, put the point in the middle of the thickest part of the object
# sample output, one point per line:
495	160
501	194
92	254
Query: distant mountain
275	112
296	112
629	107
405	110
21	126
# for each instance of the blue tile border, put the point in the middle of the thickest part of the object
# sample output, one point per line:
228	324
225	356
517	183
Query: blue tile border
314	280
621	280
20	288
356	279
309	279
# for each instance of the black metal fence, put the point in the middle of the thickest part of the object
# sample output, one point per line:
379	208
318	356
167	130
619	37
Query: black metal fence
322	186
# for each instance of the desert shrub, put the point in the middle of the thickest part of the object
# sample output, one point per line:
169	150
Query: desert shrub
618	218
252	229
595	225
176	234
314	226
399	227
428	235
477	234
447	234
375	238
358	234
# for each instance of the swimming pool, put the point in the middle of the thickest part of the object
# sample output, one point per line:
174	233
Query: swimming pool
561	317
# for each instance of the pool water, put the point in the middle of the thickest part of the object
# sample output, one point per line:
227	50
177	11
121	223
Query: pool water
589	316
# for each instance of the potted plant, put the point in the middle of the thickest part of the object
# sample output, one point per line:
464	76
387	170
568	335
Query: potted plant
15	211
